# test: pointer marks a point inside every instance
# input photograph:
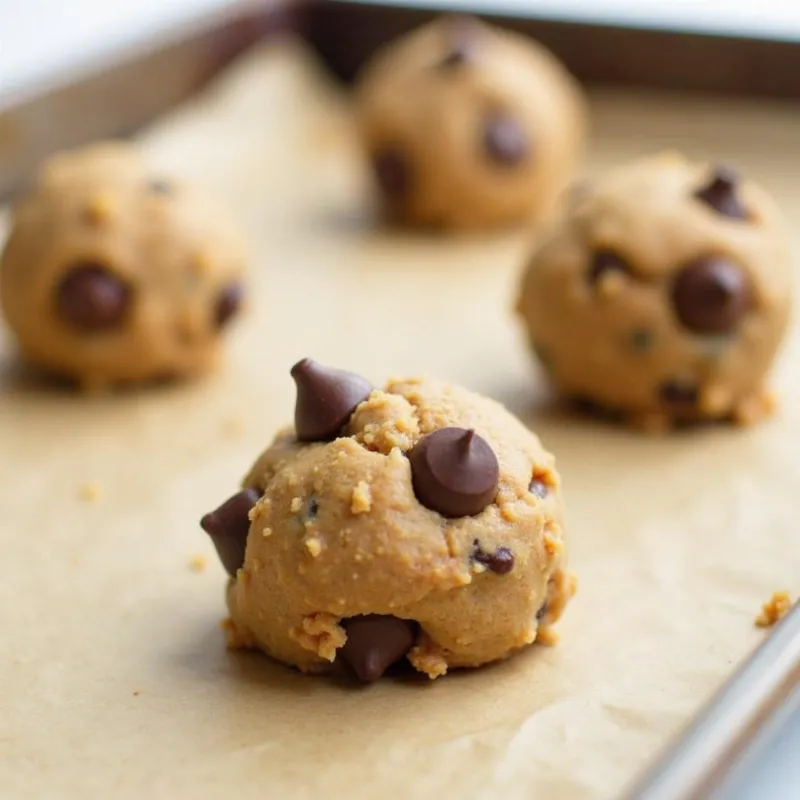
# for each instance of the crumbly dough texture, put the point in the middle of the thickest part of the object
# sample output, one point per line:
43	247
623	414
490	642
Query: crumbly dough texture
616	343
171	248
434	117
339	532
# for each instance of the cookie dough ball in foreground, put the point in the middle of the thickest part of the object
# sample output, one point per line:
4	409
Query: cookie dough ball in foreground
114	274
663	293
419	521
468	126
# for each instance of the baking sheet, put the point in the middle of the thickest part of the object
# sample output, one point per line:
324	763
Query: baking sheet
114	680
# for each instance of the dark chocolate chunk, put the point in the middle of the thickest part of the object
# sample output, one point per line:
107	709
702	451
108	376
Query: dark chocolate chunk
501	561
678	392
455	472
326	398
159	186
229	302
721	193
90	298
642	339
711	295
392	171
504	139
538	487
374	643
228	527
313	508
604	261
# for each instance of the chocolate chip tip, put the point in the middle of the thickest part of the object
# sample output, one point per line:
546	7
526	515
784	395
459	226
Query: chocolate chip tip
326	399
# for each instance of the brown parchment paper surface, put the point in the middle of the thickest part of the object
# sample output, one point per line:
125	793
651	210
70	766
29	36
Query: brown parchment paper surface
114	680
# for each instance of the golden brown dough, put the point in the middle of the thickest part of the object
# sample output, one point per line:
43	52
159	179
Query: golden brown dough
114	274
663	293
469	126
340	534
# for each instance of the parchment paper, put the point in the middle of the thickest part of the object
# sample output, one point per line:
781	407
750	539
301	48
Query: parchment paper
113	677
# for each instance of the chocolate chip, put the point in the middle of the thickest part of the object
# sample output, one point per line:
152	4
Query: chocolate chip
326	398
538	487
159	186
604	261
229	302
504	139
392	171
721	193
313	508
676	392
458	56
711	295
92	299
454	472
374	643
642	339
228	527
501	561
541	612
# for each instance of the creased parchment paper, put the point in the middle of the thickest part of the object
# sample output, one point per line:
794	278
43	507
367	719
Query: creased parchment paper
114	679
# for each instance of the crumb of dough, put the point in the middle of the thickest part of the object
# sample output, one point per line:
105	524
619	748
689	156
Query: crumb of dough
314	546
774	609
198	563
99	209
548	636
426	657
295	505
89	492
361	502
136	692
321	634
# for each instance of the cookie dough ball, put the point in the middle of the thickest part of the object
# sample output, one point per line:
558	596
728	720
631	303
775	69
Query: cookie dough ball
418	521
114	274
469	126
663	293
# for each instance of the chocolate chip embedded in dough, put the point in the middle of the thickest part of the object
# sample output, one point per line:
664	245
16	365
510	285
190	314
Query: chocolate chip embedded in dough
228	527
711	295
604	261
459	55
501	561
374	643
721	193
91	299
454	472
675	392
392	171
326	398
642	339
229	302
504	139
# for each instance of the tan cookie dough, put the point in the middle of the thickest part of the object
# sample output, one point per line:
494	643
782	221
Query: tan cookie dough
662	293
343	561
469	126
114	274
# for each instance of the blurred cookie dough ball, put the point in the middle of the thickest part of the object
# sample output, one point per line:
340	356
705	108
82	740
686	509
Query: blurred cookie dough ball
663	293
469	126
114	274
